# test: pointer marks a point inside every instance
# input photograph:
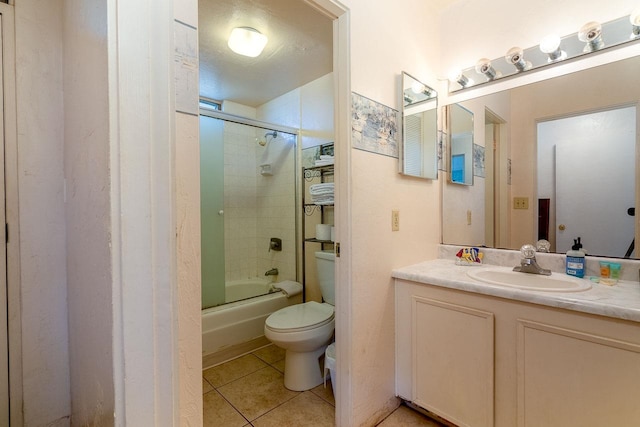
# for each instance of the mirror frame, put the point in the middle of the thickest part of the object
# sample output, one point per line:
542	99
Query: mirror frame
416	103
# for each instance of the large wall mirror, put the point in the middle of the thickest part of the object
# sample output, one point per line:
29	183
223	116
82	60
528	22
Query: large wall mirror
560	162
419	156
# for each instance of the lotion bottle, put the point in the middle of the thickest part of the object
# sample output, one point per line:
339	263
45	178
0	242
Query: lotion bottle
575	259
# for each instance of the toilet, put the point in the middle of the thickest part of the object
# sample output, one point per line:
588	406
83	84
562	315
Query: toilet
305	330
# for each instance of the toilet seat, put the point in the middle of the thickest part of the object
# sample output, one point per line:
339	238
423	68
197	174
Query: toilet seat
300	317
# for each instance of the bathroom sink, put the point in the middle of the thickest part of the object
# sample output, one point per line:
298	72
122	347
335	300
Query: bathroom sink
534	282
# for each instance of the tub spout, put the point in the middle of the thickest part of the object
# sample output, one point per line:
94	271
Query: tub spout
272	272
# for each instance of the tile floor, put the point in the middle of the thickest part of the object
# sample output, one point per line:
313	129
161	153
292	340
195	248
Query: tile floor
249	391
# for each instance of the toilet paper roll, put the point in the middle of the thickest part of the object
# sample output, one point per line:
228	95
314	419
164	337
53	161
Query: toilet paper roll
333	234
323	231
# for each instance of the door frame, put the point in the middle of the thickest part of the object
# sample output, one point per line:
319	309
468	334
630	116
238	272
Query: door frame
12	214
340	15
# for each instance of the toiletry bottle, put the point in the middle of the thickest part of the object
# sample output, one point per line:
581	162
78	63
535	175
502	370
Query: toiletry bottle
575	259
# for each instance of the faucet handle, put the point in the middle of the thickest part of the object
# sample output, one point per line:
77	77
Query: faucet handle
528	251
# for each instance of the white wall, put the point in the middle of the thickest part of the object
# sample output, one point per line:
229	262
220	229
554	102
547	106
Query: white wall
385	40
86	155
39	90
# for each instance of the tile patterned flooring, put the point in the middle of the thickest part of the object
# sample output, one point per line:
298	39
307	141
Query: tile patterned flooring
249	391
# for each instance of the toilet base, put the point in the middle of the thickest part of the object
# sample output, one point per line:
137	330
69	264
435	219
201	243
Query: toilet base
302	370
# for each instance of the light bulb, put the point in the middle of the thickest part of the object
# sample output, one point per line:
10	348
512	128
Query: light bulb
634	18
456	76
247	41
419	88
515	56
551	46
483	66
591	34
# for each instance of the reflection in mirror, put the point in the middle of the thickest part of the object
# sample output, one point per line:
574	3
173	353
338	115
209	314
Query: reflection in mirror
420	131
460	145
564	165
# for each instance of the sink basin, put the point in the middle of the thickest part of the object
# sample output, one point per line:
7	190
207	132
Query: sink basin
534	282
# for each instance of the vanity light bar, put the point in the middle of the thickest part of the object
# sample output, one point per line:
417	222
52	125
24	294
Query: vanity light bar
593	37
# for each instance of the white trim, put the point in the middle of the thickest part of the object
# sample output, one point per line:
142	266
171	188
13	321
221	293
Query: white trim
142	208
342	119
12	214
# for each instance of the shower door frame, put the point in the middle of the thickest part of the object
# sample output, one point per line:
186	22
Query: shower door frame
221	115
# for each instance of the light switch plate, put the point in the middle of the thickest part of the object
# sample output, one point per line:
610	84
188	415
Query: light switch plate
395	220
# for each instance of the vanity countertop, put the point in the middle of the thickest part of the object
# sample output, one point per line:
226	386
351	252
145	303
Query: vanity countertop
621	301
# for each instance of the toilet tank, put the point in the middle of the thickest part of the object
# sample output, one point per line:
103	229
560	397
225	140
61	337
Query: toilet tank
326	275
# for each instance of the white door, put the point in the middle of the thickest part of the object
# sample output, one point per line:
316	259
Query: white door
4	344
595	181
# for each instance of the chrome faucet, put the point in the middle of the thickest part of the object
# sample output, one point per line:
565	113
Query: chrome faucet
528	262
272	272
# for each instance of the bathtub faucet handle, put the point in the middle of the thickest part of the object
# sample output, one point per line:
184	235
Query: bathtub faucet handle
275	244
272	272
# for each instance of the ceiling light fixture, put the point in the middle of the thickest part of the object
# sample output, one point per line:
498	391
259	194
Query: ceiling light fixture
634	18
551	46
247	41
515	56
591	34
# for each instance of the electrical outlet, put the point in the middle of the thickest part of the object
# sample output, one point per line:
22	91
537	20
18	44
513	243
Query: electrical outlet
520	203
395	220
468	217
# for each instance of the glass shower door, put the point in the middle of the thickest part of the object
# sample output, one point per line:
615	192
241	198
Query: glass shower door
212	210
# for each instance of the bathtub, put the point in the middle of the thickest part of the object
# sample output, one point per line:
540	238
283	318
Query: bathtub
236	290
233	329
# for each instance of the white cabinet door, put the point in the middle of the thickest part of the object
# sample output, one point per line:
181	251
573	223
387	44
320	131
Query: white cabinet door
573	378
452	361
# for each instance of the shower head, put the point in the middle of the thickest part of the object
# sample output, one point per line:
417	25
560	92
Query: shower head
263	142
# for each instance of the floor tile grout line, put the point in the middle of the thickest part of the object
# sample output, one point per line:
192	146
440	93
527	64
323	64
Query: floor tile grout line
234	408
237	410
322	398
298	393
245	375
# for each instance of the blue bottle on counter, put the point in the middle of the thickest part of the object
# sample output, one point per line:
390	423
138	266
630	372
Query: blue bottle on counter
575	259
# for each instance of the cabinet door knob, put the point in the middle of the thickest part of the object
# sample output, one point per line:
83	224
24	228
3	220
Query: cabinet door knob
220	212
562	227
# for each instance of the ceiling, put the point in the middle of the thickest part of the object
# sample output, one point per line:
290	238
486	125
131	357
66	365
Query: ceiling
299	49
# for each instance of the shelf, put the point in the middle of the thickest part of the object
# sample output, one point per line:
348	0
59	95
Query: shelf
311	208
314	240
317	172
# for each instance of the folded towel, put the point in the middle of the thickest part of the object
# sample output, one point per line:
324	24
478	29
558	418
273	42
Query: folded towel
326	188
288	287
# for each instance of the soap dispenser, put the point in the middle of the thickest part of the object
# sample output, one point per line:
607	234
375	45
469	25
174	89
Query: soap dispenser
575	259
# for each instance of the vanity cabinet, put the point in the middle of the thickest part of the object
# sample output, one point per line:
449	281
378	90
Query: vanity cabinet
479	360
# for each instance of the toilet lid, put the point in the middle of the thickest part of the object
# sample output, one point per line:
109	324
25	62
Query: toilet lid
300	317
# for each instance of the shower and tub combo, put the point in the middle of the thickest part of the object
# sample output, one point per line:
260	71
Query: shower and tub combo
248	202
